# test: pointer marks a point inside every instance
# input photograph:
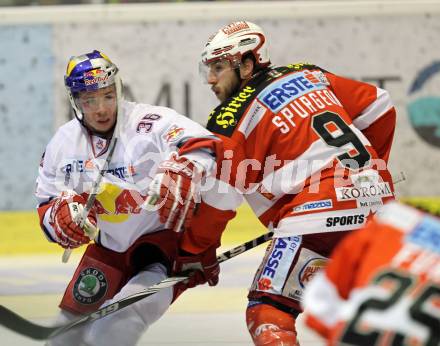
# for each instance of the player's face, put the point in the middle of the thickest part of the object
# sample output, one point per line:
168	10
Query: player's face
223	79
99	108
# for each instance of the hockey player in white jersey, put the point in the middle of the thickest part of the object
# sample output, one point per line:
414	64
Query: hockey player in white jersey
146	196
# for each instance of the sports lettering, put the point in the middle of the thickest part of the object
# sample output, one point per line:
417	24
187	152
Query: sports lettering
318	205
351	193
74	166
310	269
303	107
90	286
345	220
81	166
275	257
96	80
292	87
146	123
105	311
226	116
235	27
120	172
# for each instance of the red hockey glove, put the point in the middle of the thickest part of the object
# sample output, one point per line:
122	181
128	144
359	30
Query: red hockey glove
65	219
201	268
175	190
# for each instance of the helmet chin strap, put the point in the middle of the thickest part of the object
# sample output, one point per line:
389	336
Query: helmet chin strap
76	111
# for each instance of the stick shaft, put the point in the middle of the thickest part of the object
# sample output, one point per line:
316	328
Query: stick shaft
22	326
92	197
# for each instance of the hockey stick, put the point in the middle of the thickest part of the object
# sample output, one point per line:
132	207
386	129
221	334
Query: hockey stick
92	232
25	327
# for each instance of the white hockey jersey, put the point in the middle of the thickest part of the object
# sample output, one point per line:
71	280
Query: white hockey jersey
147	135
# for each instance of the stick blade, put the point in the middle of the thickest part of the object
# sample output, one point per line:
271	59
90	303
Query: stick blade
18	324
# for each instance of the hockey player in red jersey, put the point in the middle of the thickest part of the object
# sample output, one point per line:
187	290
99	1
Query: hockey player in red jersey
307	149
146	196
382	284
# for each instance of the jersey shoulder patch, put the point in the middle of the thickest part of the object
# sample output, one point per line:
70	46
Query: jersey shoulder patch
291	82
224	119
303	66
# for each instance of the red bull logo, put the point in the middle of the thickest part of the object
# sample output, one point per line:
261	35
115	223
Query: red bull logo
310	268
173	134
129	202
94	73
96	80
95	77
115	205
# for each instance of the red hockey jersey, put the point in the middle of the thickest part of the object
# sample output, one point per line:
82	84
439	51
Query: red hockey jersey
307	149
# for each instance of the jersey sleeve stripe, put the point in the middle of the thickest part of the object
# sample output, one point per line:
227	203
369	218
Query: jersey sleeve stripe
253	117
374	111
47	228
258	203
221	195
290	178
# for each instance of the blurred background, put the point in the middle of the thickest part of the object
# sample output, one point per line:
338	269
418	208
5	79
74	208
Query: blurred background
394	44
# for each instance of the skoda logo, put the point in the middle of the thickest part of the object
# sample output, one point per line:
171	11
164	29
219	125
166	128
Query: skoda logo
90	286
424	106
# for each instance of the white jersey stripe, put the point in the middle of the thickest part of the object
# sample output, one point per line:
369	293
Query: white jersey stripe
253	117
290	178
48	229
331	221
374	111
221	195
258	203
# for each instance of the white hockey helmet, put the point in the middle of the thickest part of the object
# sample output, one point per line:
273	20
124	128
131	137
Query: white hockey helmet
234	41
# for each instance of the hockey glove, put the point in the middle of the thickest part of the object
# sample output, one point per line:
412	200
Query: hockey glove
65	218
174	191
200	268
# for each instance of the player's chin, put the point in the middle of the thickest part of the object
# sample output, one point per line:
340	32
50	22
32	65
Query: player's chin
102	128
220	96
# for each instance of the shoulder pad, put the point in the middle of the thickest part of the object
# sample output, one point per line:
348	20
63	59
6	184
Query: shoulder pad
304	65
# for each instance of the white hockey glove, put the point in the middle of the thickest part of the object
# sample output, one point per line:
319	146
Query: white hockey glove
174	191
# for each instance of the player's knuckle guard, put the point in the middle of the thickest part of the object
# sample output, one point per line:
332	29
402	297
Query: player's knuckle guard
65	211
175	185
